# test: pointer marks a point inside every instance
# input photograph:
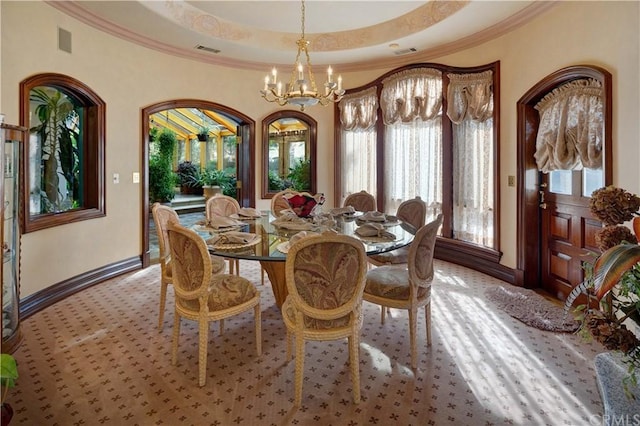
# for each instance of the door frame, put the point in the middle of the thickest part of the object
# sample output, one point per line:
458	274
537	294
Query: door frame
528	242
245	160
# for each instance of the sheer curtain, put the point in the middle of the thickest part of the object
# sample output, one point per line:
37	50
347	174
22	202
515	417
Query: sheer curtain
571	127
358	116
470	108
411	103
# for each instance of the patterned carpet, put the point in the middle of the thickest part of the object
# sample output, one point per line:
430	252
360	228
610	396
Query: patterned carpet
97	358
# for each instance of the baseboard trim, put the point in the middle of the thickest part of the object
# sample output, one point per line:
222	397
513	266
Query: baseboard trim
52	294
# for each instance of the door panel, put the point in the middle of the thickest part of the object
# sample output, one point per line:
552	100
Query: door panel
568	232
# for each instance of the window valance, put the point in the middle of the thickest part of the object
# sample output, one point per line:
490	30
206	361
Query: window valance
470	97
411	94
571	127
358	111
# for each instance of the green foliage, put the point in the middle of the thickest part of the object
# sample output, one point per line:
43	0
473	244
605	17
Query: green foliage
275	182
189	175
58	129
300	175
161	177
153	134
161	180
8	374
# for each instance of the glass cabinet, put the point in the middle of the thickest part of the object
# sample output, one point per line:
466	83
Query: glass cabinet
10	150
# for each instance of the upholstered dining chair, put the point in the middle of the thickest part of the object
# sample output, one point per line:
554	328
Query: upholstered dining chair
205	297
325	280
223	205
162	214
279	203
361	201
407	286
413	212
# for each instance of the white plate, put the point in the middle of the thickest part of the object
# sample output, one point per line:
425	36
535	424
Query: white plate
295	226
239	216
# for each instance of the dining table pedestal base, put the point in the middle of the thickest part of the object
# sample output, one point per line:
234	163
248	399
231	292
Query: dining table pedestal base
276	274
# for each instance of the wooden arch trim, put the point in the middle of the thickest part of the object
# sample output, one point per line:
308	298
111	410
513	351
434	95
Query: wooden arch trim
528	262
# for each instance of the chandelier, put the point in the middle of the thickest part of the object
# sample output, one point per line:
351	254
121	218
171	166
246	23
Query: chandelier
302	90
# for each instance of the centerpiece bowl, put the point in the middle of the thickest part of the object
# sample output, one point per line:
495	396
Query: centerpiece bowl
303	203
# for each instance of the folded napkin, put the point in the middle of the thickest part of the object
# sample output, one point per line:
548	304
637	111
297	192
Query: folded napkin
373	217
249	212
374	230
232	237
342	210
222	222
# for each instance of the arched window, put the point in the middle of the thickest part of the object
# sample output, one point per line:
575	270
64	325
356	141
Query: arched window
63	161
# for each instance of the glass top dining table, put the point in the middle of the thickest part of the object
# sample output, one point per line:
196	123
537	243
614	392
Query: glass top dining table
271	246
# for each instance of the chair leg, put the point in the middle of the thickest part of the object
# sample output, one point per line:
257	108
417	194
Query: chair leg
288	343
237	261
382	314
231	263
258	321
163	302
413	313
261	275
203	335
299	368
354	365
427	317
176	337
222	326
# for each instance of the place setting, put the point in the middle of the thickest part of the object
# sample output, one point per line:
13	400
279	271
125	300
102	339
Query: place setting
219	224
374	232
284	246
247	213
385	220
233	240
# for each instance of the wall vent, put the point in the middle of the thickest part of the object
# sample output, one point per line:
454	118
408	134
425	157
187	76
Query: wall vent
64	40
405	51
207	49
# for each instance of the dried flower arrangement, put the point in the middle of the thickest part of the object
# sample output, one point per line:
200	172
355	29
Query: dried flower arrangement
618	267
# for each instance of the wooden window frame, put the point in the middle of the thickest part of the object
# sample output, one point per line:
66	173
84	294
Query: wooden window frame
93	165
484	259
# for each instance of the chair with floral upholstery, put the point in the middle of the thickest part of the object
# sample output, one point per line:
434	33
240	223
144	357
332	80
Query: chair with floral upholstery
223	205
161	216
407	286
325	280
413	212
279	203
203	296
361	201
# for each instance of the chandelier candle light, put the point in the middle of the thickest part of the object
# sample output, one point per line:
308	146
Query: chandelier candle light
302	91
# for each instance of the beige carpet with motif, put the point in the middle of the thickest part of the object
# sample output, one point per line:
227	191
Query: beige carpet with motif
97	358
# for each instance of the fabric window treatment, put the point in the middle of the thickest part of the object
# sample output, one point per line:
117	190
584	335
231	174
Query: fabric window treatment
358	116
470	108
571	130
411	103
411	94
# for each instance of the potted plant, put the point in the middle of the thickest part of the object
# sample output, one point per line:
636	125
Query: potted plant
8	377
203	133
613	278
212	180
189	178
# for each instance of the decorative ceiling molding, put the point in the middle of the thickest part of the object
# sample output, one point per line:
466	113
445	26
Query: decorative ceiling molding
512	22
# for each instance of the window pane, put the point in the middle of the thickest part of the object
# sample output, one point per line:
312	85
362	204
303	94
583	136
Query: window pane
358	153
592	179
560	182
55	154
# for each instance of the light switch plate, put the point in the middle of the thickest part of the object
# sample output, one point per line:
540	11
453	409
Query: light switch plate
136	177
116	178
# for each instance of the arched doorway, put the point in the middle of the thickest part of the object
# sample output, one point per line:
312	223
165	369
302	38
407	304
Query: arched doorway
245	155
552	236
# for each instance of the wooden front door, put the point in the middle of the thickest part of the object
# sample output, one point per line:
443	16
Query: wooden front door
567	228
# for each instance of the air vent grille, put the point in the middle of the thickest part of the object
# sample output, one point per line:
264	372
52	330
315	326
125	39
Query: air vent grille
207	49
405	51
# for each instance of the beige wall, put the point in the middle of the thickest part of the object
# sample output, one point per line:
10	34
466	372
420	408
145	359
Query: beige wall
129	77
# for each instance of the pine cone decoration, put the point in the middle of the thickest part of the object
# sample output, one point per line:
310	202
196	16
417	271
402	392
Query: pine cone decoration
613	205
611	236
